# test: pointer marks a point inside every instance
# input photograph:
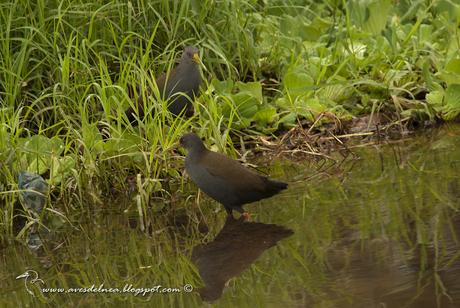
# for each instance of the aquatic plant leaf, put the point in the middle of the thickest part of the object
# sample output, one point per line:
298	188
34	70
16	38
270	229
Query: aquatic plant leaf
305	108
246	104
452	102
379	11
297	83
38	151
246	101
425	33
289	25
435	99
451	73
43	145
313	106
289	120
449	8
253	89
333	92
92	138
453	66
299	26
370	15
222	86
62	168
265	116
432	85
127	144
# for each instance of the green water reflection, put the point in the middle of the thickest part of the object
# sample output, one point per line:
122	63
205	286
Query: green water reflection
380	231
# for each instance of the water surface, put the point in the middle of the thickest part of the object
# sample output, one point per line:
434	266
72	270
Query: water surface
382	230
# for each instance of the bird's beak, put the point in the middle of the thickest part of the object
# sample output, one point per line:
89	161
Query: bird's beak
196	58
26	274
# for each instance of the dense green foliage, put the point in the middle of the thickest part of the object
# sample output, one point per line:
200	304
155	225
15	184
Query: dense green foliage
67	67
384	232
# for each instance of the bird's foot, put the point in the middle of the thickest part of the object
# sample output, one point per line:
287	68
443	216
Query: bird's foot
246	216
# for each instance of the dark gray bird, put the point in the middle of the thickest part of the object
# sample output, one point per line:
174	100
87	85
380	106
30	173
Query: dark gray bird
224	179
178	88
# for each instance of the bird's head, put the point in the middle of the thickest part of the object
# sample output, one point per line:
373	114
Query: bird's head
191	142
191	54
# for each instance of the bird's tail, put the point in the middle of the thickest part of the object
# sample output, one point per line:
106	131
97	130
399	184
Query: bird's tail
276	186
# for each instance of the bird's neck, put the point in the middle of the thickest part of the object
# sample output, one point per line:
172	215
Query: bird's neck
187	68
197	153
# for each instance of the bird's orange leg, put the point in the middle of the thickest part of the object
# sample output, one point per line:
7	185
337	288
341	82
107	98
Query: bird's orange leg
246	216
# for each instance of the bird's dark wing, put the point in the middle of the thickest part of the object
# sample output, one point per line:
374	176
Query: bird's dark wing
160	82
232	172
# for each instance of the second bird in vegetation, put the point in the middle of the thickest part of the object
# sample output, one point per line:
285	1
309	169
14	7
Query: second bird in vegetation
224	179
178	88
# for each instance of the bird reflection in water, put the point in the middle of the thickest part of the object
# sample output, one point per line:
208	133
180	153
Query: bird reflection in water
234	249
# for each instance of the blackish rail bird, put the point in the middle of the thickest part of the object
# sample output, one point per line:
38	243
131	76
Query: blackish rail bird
224	179
179	88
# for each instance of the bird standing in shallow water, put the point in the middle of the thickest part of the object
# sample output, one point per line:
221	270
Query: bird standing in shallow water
224	179
178	88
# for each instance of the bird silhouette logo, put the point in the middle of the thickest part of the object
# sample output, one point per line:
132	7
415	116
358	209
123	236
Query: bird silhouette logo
30	278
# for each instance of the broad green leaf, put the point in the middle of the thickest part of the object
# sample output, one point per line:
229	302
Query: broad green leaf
126	144
425	33
453	66
288	25
314	105
289	120
334	92
306	108
246	104
379	12
253	89
435	99
428	77
448	7
266	120
224	86
37	152
265	116
451	73
297	83
42	145
38	165
370	15
452	101
92	138
62	168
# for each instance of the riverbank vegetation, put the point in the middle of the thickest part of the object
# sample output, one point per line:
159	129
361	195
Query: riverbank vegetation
326	69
